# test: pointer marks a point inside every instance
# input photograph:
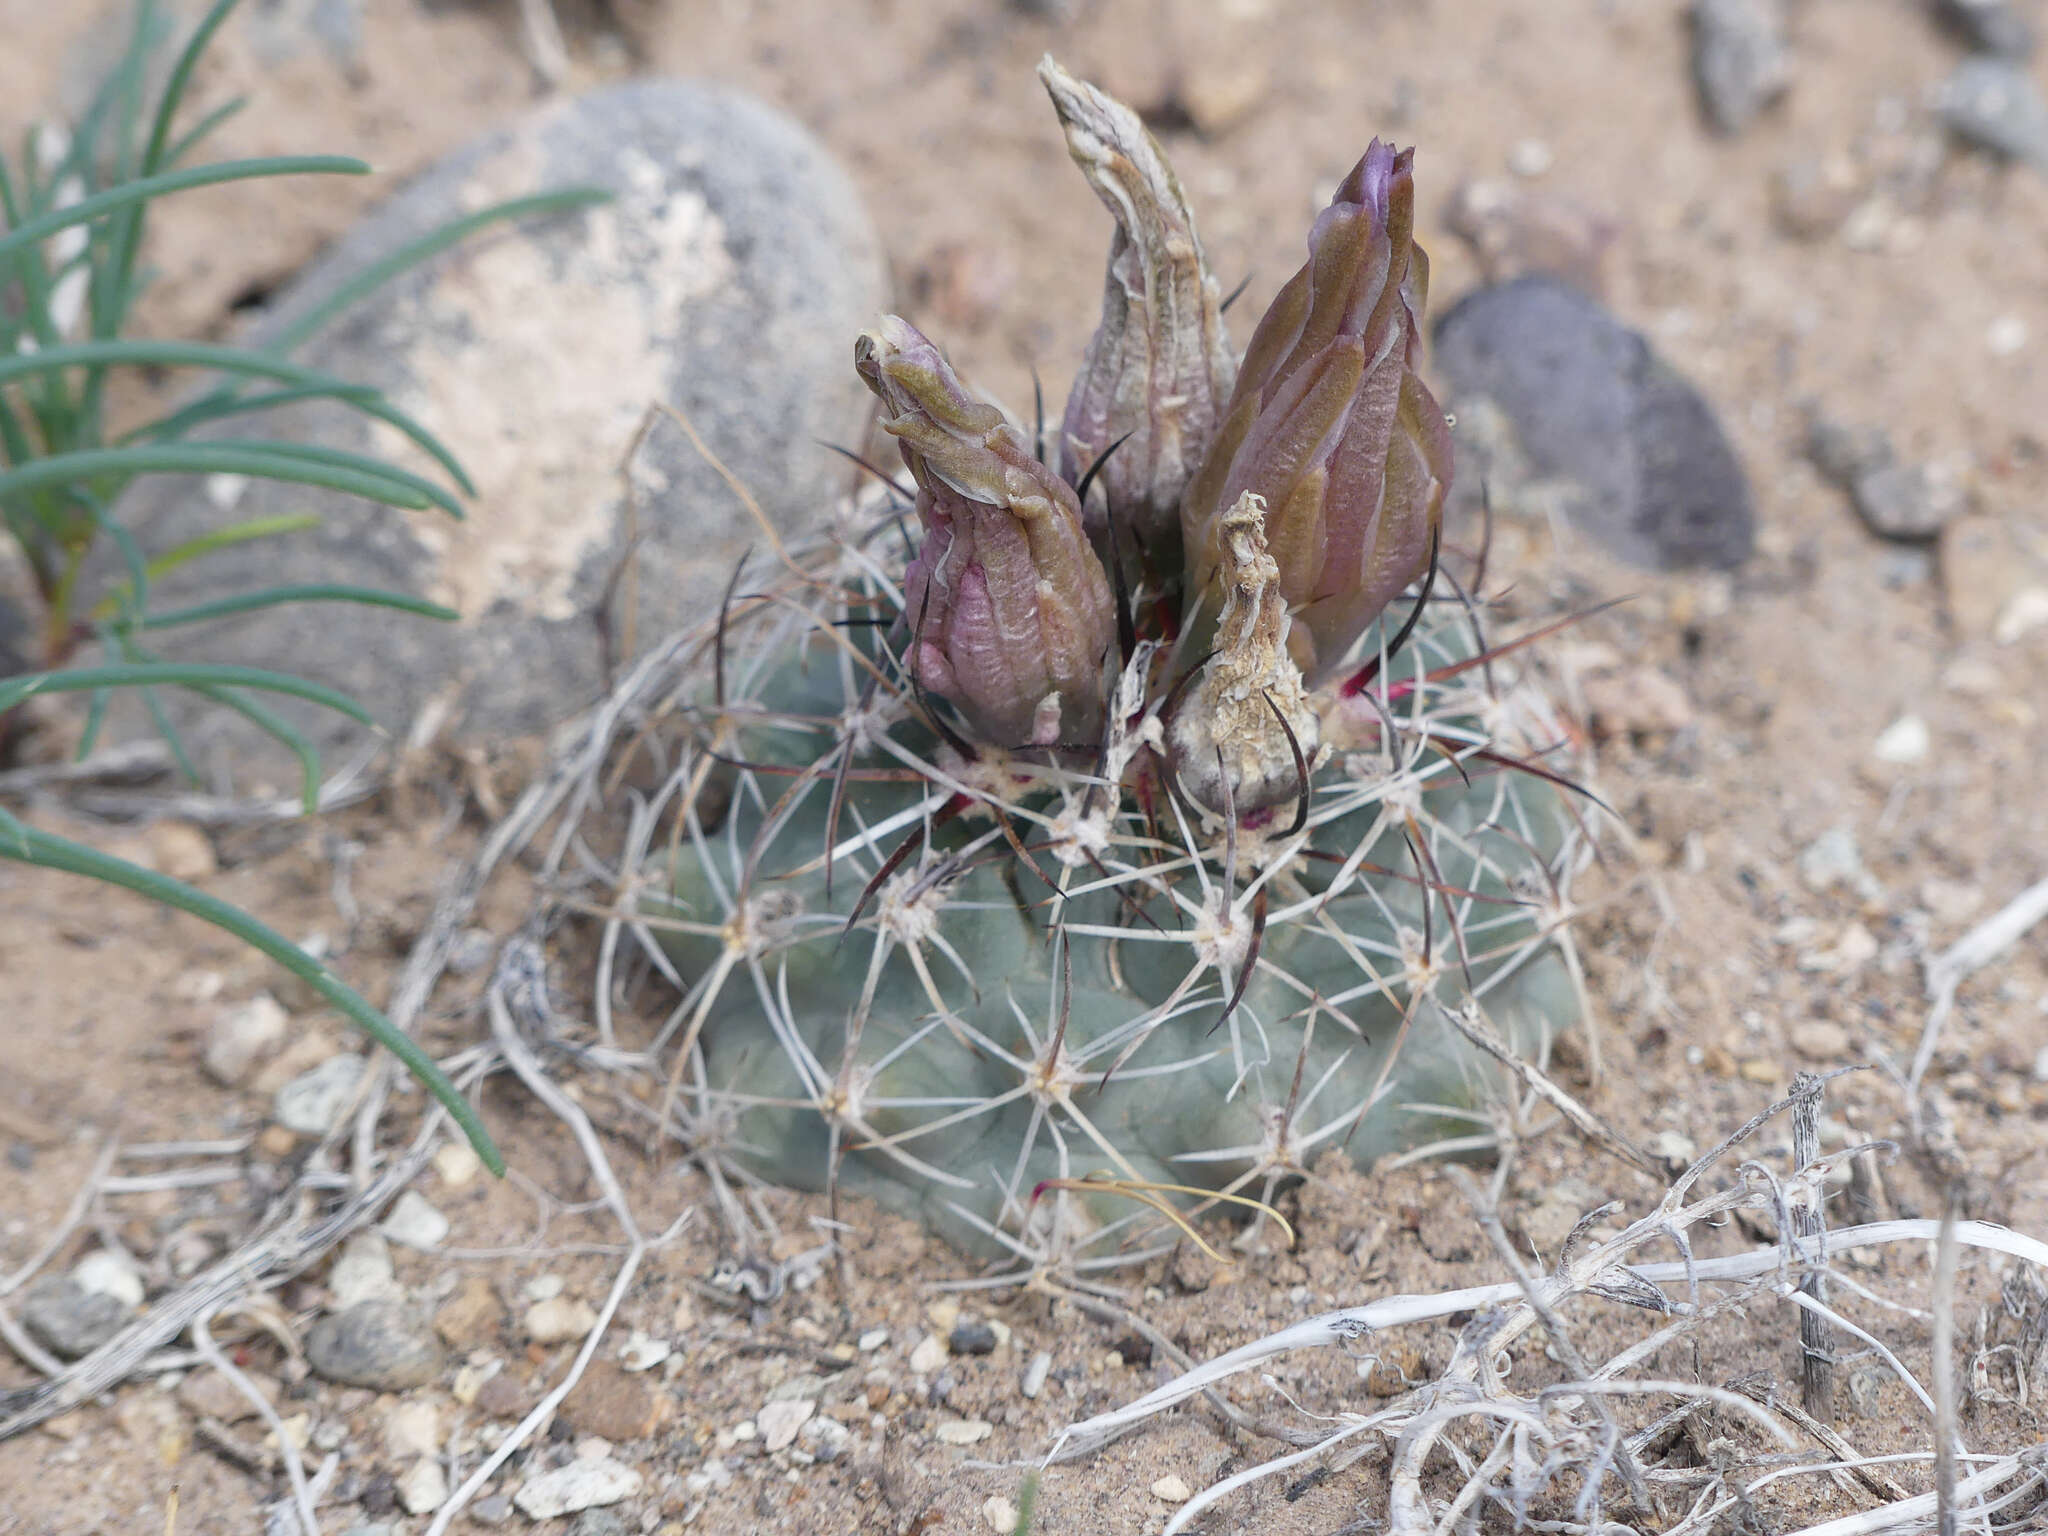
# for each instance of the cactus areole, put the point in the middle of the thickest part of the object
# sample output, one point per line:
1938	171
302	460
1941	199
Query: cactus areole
1120	823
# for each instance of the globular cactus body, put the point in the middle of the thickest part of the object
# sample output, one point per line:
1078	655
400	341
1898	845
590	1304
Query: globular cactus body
1180	896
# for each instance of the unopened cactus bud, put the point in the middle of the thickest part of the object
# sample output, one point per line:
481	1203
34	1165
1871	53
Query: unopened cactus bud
1331	425
1008	606
1159	368
1246	736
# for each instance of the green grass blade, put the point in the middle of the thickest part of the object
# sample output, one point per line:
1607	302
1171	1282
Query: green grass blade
169	732
145	674
95	719
144	188
342	459
215	406
265	461
47	851
202	128
166	354
276	726
408	256
270	597
174	87
224	538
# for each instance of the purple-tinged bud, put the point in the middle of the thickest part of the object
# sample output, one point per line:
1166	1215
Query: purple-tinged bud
1009	607
1331	424
1159	367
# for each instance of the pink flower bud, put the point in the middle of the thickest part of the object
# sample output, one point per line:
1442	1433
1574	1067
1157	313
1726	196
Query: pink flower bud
1332	426
1008	605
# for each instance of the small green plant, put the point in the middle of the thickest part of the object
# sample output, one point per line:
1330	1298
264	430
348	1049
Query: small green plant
74	207
1166	820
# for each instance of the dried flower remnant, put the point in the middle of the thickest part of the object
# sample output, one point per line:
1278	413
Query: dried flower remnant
1159	368
1332	426
1009	607
1246	737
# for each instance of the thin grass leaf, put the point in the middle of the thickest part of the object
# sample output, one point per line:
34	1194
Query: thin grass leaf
166	729
269	462
246	532
177	673
45	850
173	95
145	188
270	597
202	128
168	354
281	730
214	407
357	463
411	255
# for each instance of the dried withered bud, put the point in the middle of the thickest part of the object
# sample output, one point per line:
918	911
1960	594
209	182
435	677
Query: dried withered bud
1246	737
1331	424
1159	367
1009	608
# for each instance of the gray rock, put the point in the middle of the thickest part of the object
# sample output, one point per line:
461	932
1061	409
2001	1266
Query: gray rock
69	1320
1739	60
1989	26
975	1338
1902	502
598	1522
1994	104
728	278
1563	409
311	1103
824	1438
1845	454
386	1346
492	1509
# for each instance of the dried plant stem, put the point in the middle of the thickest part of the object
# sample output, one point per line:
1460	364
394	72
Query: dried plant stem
1809	1222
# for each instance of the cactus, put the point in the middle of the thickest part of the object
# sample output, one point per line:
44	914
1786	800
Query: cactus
1049	864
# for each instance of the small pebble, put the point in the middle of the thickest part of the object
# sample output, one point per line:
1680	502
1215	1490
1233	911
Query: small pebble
929	1355
964	1431
599	1522
640	1353
999	1515
413	1221
493	1509
1819	1040
1903	501
873	1340
1993	104
182	851
383	1345
242	1036
825	1439
973	1338
2041	1065
1738	58
1988	26
412	1428
1530	158
2024	612
1831	859
456	1163
1171	1490
1905	741
106	1273
311	1103
558	1319
70	1321
362	1272
1036	1372
2006	336
580	1484
424	1487
779	1422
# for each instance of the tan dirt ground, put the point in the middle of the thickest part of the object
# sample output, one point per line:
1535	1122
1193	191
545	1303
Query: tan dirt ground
1707	960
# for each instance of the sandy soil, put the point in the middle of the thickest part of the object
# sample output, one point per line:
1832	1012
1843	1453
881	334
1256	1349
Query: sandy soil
1712	959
